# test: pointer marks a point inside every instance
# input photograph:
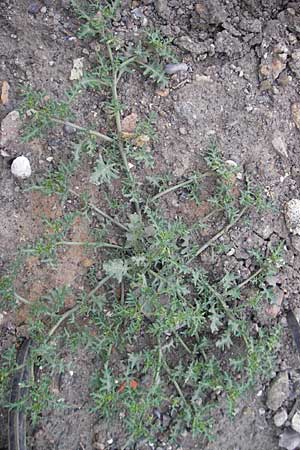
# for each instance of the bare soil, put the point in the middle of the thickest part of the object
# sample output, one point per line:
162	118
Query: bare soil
240	88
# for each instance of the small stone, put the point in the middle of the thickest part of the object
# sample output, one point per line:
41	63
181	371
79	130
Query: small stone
231	163
170	69
69	129
44	10
128	124
231	252
295	424
98	446
266	85
278	66
20	167
10	127
198	48
49	158
279	144
77	70
295	63
162	92
166	420
274	309
4	93
284	79
292	216
289	439
182	131
280	418
296	243
296	312
34	8
278	391
162	8
261	411
296	114
200	9
110	441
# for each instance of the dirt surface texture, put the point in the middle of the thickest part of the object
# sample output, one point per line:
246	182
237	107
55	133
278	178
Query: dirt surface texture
239	85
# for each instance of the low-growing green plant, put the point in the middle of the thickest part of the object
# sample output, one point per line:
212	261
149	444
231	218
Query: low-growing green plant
171	324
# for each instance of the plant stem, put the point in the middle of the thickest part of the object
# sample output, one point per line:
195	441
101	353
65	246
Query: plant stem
178	186
103	137
158	365
122	292
76	307
63	318
115	79
101	213
183	343
218	235
124	65
172	188
248	280
22	299
99	285
221	300
90	244
178	388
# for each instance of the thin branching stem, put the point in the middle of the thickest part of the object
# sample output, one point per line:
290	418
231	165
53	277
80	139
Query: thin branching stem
182	342
115	79
221	300
101	136
99	285
101	213
251	278
177	387
218	235
22	299
90	244
75	308
177	186
63	318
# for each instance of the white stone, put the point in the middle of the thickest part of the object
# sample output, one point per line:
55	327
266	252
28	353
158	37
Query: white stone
280	418
231	163
77	70
292	216
10	127
296	422
279	144
20	167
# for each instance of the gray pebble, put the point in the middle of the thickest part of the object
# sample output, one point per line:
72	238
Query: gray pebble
296	422
278	392
34	8
280	418
68	129
170	69
289	440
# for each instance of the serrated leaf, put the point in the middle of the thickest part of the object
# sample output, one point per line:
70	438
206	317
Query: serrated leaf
224	341
215	322
103	173
116	268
